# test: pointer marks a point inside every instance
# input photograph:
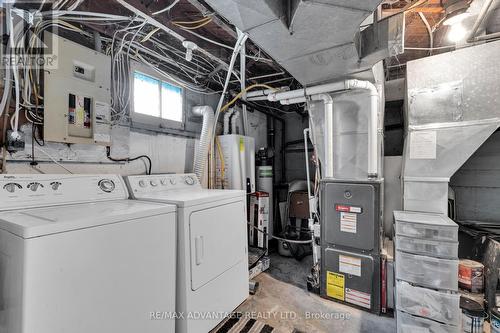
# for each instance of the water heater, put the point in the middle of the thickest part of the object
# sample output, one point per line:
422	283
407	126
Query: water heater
235	162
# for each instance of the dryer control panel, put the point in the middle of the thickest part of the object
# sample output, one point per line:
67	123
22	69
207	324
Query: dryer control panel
27	191
160	183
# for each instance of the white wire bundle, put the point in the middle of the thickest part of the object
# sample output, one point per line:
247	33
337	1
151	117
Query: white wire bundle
128	43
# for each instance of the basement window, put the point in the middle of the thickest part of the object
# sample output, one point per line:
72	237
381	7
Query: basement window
157	102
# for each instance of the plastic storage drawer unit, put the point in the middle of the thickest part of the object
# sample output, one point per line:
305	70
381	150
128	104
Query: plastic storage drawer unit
429	226
427	271
408	324
436	305
427	247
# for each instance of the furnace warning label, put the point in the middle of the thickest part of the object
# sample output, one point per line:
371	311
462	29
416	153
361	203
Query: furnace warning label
358	298
335	284
348	222
350	265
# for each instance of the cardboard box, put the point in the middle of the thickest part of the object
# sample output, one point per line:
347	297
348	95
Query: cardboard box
259	219
471	276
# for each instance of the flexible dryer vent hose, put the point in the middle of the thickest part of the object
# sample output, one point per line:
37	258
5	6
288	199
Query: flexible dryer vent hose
201	152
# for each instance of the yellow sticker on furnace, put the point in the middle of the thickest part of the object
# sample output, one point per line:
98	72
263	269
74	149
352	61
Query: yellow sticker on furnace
242	145
335	284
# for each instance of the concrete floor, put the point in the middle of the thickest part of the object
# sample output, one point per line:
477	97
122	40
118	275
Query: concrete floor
283	302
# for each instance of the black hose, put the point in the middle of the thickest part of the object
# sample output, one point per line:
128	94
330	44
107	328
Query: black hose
129	159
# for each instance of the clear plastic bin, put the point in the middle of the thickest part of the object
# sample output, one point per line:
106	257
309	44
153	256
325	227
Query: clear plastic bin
407	323
429	226
427	271
436	305
439	249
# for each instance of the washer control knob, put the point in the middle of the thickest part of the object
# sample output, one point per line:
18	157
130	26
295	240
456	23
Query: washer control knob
189	180
55	185
153	183
34	186
107	185
142	183
11	187
164	181
173	181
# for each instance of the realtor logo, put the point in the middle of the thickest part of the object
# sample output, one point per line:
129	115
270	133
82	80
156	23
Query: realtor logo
25	44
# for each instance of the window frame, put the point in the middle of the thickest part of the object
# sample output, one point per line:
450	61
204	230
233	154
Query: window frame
153	122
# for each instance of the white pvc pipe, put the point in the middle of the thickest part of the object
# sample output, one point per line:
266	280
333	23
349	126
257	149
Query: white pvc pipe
244	114
234	121
328	103
306	149
309	196
227	117
299	96
265	92
257	98
309	91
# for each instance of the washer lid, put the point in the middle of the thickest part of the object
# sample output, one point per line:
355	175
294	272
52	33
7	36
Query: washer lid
191	197
36	222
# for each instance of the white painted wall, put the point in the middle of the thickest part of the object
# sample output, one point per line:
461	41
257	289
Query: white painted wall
169	153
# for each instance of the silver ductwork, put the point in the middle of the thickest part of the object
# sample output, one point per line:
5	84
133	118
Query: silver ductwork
316	41
201	152
450	114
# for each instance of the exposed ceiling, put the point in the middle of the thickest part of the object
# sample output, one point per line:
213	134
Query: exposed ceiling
313	39
260	67
309	40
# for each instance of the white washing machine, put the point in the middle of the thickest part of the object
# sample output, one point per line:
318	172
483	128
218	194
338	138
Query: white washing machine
212	262
77	256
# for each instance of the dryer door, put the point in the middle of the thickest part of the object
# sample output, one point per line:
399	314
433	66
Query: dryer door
218	238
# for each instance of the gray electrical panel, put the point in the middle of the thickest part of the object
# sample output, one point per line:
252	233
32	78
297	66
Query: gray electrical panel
351	242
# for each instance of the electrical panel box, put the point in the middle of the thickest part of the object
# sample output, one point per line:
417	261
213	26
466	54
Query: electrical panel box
235	162
351	215
77	95
352	278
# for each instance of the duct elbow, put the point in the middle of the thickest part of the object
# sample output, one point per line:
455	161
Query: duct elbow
203	111
326	98
364	85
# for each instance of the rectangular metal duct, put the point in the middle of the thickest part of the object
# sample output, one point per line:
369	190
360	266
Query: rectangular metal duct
314	40
450	113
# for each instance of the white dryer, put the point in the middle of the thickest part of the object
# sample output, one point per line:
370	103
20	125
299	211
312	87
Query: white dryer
212	271
77	256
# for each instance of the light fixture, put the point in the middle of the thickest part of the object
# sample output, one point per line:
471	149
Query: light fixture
456	11
190	47
457	33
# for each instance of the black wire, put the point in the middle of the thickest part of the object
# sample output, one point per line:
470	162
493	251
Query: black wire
33	162
41	144
108	155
